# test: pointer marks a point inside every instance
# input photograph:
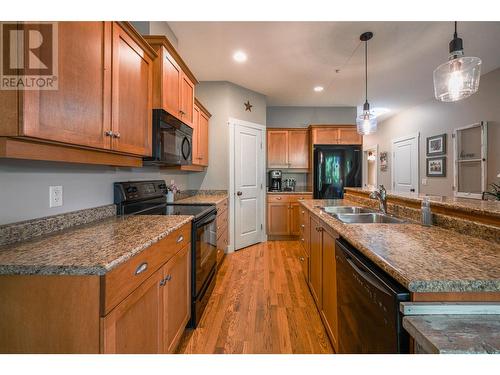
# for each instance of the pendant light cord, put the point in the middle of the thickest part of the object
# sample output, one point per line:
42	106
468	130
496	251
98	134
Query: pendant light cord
366	71
455	35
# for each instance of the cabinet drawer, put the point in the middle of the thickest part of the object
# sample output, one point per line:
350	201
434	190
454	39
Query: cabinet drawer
222	206
124	279
275	198
221	223
301	197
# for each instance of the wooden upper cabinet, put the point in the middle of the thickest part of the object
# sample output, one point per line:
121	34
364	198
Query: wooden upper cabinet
277	148
177	298
174	82
298	149
335	135
79	111
131	95
196	130
187	100
350	136
203	138
168	93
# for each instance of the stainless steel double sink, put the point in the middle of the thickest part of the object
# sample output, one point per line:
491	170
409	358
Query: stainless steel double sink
360	215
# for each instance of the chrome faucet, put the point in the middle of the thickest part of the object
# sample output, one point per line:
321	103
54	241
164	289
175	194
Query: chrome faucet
381	195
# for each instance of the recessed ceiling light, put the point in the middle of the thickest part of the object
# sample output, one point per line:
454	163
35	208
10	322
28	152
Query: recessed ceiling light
240	56
319	88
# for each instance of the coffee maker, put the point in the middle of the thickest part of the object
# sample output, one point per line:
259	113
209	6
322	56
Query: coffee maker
275	180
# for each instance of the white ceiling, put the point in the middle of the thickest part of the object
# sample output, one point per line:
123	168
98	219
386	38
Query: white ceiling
287	59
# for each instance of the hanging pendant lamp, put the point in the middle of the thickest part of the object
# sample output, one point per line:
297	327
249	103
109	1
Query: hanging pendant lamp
366	123
458	78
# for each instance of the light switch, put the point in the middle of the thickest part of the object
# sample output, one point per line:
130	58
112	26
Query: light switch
424	181
55	196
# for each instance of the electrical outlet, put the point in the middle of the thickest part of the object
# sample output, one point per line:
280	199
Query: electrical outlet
424	181
172	182
55	196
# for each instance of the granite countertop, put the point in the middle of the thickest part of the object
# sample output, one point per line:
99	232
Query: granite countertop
214	198
455	334
422	259
91	249
477	206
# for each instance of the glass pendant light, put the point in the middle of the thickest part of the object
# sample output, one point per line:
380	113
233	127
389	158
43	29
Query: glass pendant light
366	123
458	78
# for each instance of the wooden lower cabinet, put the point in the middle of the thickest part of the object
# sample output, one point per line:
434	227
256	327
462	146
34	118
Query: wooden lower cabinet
284	214
277	219
329	286
316	259
222	230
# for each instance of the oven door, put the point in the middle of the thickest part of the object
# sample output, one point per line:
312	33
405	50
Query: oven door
204	251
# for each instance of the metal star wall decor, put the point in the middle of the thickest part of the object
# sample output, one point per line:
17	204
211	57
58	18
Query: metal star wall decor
248	106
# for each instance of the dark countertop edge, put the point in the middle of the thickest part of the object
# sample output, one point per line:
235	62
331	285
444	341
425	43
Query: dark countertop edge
435	203
220	199
91	270
416	286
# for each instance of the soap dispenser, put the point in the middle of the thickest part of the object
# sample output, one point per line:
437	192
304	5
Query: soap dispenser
426	212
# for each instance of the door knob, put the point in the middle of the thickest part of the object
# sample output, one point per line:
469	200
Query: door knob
239	193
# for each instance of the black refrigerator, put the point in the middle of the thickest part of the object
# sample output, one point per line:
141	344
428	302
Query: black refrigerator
336	167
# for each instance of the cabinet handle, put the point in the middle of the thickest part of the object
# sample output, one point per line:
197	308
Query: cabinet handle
301	199
303	212
141	268
278	198
302	240
301	259
108	133
116	135
180	239
302	225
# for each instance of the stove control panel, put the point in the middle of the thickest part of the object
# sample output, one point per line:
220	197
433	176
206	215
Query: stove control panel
138	190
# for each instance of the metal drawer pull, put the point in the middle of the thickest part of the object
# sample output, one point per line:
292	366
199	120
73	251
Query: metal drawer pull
278	198
302	240
301	199
301	259
180	239
165	279
302	225
141	268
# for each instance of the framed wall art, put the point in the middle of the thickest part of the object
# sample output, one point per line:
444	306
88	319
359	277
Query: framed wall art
436	145
436	167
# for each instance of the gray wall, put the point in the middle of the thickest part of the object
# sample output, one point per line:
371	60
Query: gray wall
224	100
24	186
301	117
156	28
434	118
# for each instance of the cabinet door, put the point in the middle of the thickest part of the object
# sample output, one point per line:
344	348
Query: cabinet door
203	139
315	276
278	222
176	298
79	111
196	135
295	229
304	263
187	100
350	136
298	149
277	149
326	136
305	230
329	284
171	85
131	95
135	325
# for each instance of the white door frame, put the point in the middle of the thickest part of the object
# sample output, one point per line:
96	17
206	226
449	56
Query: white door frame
232	190
395	140
366	149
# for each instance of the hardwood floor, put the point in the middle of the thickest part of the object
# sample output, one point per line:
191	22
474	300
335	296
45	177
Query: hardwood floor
260	304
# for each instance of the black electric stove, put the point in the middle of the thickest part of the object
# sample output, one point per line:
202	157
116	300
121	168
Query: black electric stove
149	198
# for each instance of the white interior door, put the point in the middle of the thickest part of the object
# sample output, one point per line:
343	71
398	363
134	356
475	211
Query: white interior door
248	185
405	164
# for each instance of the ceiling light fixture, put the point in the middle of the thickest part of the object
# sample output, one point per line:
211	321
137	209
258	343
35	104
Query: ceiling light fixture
458	78
240	56
318	88
366	123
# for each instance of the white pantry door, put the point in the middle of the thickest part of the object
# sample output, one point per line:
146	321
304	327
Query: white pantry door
405	164
248	184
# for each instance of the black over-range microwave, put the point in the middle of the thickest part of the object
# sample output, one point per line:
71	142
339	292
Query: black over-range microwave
172	141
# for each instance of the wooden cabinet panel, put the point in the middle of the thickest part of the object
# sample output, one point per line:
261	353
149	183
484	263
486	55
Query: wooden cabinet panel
135	325
298	149
304	263
315	276
131	95
278	219
170	89
325	136
350	136
203	139
187	100
79	111
176	298
305	230
277	149
295	229
329	287
196	134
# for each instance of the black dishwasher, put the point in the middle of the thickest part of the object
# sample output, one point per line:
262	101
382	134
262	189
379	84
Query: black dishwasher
369	320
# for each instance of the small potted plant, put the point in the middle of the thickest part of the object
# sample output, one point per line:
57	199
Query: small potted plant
171	190
494	190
